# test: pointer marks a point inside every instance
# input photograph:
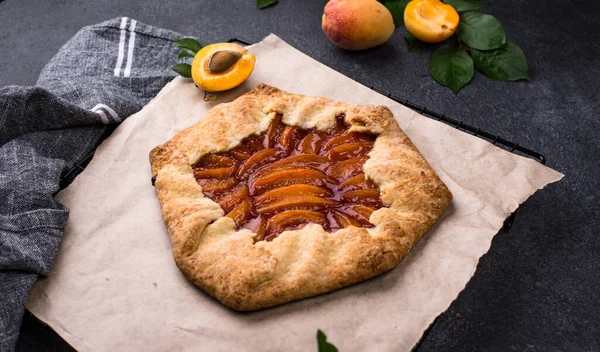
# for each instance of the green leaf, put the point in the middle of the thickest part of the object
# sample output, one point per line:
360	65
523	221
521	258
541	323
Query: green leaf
397	7
189	44
261	4
414	44
464	5
184	70
504	64
184	53
451	66
324	346
481	31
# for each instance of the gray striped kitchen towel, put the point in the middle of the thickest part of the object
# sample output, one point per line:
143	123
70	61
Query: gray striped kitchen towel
105	73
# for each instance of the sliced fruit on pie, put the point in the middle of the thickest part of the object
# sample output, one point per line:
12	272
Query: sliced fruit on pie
241	213
218	174
311	143
257	160
241	152
257	142
289	138
292	218
229	200
213	186
344	220
347	168
212	161
361	195
301	160
274	131
350	151
298	189
286	177
347	138
358	212
356	182
302	201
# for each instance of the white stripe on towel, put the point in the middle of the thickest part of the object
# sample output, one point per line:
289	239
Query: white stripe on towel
127	72
121	47
97	109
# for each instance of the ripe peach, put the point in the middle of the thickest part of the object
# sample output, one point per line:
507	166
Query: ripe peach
357	24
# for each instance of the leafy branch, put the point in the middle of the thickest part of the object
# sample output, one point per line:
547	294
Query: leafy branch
189	47
479	42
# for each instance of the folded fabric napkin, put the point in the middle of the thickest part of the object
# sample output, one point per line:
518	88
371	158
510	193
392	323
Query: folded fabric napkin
104	74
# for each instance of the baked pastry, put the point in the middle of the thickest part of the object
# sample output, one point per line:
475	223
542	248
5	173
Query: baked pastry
276	197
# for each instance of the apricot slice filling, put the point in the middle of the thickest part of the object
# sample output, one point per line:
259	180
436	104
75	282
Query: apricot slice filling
257	160
292	218
284	192
288	177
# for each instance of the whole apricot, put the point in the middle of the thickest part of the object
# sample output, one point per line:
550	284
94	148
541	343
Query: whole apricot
431	21
357	24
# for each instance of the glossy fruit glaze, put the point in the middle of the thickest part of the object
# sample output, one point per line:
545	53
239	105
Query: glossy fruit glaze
288	177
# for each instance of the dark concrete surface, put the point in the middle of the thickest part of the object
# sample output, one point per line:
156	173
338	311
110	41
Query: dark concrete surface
538	287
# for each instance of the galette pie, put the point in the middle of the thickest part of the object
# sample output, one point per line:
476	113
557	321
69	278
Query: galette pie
276	197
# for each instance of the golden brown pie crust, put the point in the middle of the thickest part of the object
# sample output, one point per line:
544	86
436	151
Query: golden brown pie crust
226	262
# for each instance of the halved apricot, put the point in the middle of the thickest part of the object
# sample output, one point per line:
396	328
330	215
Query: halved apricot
222	66
293	218
431	21
299	189
350	151
229	200
286	177
257	160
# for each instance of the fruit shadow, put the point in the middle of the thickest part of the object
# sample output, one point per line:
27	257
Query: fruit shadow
341	298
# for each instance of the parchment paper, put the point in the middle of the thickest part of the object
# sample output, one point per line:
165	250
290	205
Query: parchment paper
114	285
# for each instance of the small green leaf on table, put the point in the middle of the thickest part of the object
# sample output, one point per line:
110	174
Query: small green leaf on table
184	70
189	44
184	53
413	43
452	67
504	64
481	31
397	7
324	346
261	4
464	5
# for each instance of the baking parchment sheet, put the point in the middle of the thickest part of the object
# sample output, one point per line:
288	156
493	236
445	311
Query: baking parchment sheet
114	285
